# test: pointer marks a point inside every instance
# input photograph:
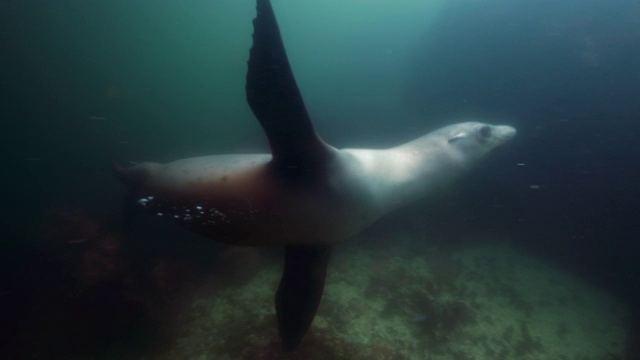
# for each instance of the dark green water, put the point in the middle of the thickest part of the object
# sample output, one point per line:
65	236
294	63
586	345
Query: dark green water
84	81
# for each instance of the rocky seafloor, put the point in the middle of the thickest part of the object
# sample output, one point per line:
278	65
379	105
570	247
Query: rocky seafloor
384	300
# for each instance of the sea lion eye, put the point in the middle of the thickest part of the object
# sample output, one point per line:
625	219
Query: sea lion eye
485	131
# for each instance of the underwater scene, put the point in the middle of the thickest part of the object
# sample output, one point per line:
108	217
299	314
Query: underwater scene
350	180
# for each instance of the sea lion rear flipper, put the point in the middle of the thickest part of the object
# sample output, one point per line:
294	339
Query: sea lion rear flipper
131	178
274	97
300	291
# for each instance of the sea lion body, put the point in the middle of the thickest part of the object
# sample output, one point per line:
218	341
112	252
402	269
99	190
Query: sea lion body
244	200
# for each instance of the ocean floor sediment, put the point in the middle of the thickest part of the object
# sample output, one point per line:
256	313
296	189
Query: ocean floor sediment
487	300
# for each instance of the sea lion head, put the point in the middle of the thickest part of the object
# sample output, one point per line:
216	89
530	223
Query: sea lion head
474	140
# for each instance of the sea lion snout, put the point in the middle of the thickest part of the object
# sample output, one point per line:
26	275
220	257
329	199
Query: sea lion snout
504	132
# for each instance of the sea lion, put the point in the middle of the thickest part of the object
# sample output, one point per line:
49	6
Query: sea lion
306	195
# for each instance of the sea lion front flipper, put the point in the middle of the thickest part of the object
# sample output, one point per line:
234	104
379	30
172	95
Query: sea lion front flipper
274	97
300	291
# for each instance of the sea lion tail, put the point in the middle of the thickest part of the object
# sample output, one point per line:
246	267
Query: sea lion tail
119	170
132	177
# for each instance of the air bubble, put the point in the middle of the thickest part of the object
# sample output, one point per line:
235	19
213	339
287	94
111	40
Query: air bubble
142	202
